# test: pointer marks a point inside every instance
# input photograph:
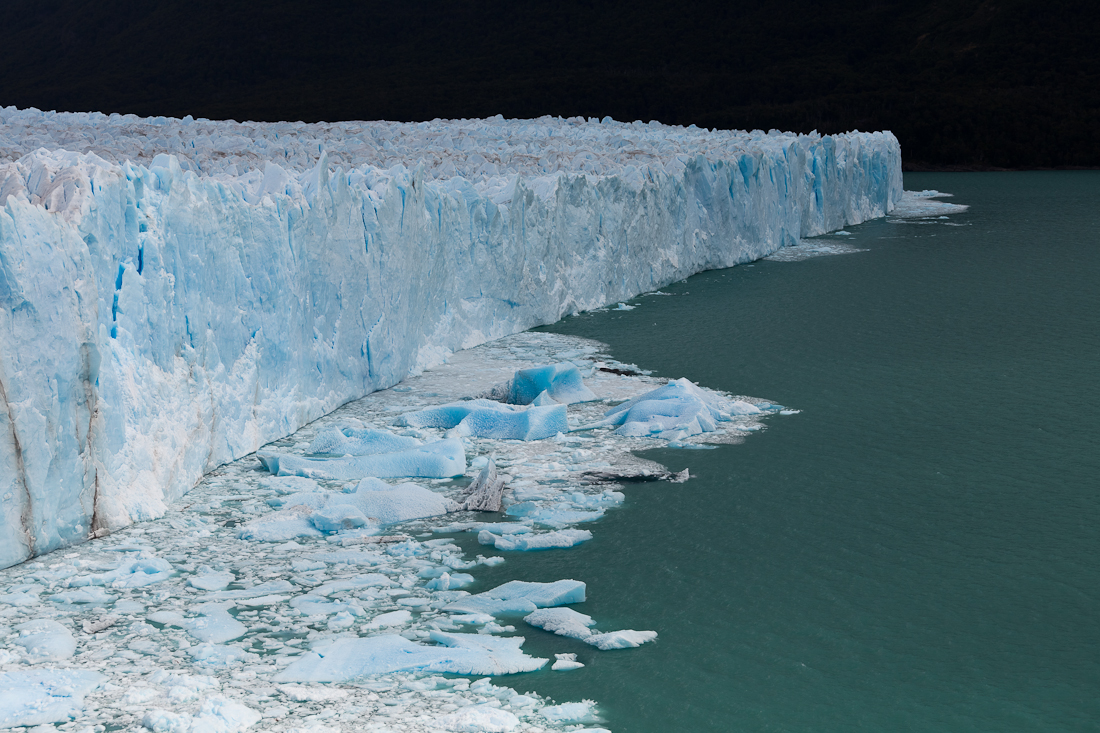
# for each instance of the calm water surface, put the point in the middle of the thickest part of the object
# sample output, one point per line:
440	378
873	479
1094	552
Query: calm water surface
919	549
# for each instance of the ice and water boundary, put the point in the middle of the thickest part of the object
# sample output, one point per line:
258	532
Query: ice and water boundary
165	315
158	674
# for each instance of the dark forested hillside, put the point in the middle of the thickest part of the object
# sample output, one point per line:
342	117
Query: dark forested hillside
967	83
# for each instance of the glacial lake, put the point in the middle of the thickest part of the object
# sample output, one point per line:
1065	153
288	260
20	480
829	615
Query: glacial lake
919	548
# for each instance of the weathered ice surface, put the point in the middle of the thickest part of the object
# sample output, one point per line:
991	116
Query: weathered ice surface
176	293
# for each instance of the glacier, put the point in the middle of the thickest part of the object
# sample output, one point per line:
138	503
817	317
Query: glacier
176	293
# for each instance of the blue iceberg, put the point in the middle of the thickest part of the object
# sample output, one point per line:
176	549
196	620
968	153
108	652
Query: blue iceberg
441	459
561	383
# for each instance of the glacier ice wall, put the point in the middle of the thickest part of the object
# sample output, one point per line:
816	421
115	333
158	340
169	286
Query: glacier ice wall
176	293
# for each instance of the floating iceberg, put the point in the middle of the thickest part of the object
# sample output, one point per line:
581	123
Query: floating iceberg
675	411
518	596
575	625
541	541
189	290
349	659
441	459
562	383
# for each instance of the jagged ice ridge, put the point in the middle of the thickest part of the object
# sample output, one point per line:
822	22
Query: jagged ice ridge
176	293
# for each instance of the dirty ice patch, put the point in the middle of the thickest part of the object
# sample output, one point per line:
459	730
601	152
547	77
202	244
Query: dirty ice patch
347	659
43	696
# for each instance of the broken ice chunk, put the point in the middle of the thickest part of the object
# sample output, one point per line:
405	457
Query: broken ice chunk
489	419
393	618
675	411
214	623
217	715
338	517
42	696
569	623
347	659
562	383
566	663
386	504
129	574
263	589
280	526
570	712
93	595
448	581
527	542
360	442
451	414
211	580
519	596
486	491
563	622
478	719
441	459
534	423
621	639
45	640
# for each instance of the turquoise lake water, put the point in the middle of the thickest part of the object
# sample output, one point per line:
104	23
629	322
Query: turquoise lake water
919	548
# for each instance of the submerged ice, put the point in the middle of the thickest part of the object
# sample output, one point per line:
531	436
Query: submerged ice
174	294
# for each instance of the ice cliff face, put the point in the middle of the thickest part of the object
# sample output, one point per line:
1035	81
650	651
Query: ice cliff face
176	293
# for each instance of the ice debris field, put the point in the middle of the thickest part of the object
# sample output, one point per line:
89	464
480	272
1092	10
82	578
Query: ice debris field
280	595
175	294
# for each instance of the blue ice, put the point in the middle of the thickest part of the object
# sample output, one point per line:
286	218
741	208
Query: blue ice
562	383
441	459
360	442
43	696
489	419
675	411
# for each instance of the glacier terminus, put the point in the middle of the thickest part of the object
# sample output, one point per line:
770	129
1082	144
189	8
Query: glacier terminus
175	294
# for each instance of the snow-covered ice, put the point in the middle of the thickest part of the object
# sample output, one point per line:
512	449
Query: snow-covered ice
175	294
675	411
575	625
345	660
44	695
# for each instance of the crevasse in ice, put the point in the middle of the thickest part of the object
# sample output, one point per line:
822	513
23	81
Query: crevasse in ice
176	293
